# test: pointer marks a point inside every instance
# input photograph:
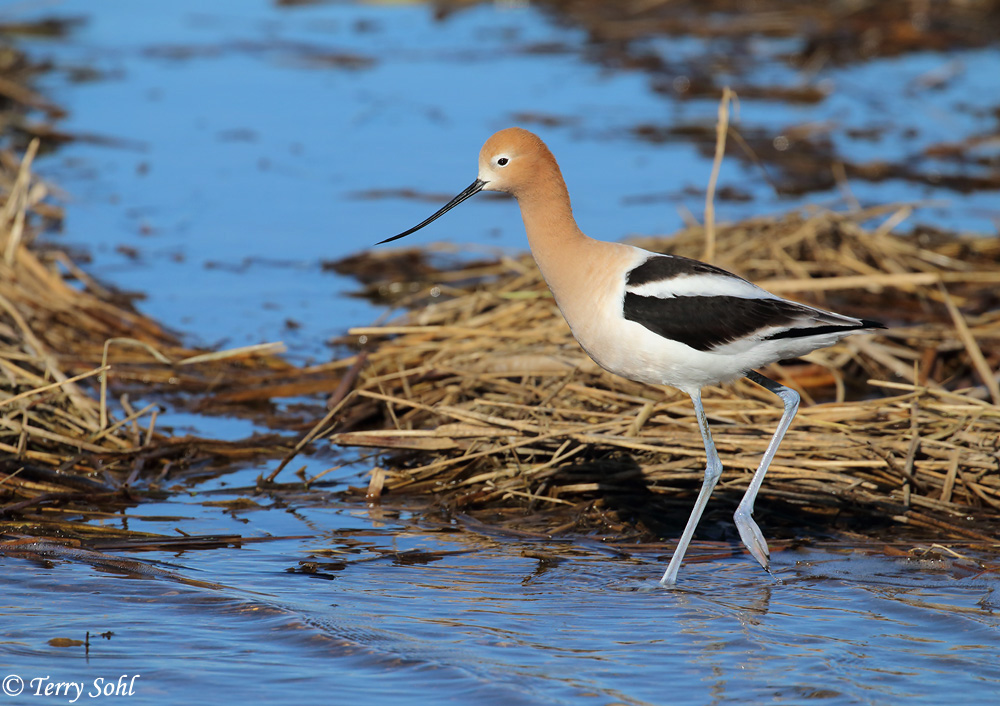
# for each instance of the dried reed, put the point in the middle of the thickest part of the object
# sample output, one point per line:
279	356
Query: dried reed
61	335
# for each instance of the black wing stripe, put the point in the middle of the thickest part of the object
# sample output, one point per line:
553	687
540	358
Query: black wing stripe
820	330
667	267
704	323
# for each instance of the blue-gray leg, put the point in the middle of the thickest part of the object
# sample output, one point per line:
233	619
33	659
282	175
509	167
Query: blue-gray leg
750	533
713	469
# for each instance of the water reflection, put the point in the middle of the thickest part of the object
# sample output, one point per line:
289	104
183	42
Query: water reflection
452	615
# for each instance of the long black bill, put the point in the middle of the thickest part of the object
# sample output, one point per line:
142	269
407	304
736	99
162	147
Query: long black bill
473	189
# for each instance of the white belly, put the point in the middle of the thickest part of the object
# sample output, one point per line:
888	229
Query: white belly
631	350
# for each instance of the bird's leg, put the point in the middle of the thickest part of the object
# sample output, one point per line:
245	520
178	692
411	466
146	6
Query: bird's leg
749	531
713	469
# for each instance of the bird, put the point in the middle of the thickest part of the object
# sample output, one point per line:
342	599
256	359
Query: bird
656	318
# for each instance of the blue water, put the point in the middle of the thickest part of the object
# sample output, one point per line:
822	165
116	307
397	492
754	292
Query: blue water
249	136
249	140
475	620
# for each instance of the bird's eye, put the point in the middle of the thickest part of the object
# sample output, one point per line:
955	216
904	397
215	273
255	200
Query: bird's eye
502	162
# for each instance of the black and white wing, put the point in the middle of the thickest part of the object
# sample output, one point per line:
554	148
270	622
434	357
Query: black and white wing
708	308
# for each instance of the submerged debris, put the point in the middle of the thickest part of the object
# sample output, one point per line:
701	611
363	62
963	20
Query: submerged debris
483	399
789	53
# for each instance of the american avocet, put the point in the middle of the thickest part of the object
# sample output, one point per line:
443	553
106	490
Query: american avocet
654	318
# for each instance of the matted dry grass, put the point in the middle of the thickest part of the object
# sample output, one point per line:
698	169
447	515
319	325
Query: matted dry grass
486	403
66	450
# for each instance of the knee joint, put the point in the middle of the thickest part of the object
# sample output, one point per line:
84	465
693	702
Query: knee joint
790	398
713	470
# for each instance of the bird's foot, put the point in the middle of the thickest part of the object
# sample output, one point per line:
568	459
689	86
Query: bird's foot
753	538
